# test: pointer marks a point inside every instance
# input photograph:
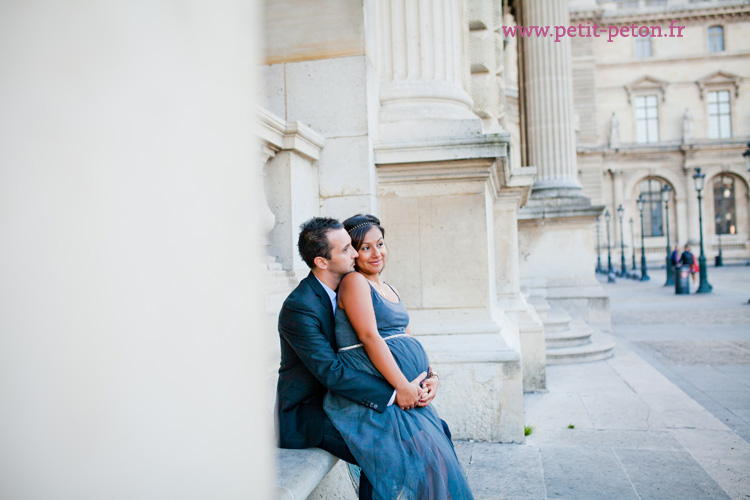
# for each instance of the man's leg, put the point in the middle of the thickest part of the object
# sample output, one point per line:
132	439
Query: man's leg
334	444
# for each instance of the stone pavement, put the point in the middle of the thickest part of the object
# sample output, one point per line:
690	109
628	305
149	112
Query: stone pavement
663	419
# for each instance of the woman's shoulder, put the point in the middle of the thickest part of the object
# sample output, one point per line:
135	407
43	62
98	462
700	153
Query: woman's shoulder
354	282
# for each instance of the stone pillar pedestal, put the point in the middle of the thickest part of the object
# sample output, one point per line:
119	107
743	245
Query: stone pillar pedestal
437	209
530	340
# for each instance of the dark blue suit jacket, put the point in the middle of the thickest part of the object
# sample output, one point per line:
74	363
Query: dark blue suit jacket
309	368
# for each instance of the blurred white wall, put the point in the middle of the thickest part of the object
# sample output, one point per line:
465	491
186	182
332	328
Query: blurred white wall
129	367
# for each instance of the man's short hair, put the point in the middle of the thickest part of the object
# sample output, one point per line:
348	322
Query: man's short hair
313	239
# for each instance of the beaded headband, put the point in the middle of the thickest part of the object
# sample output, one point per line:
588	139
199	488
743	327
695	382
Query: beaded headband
360	225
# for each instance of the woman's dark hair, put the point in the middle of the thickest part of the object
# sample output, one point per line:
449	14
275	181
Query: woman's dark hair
358	225
313	239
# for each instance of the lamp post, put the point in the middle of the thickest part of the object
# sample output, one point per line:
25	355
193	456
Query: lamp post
644	273
632	242
623	269
703	287
598	255
719	261
746	155
666	194
610	279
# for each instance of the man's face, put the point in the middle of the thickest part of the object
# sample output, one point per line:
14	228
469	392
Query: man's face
342	253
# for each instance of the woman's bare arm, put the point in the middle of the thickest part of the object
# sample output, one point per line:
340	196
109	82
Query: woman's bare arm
355	298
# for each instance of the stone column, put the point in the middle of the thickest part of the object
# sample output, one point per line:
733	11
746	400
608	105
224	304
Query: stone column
419	56
556	227
549	98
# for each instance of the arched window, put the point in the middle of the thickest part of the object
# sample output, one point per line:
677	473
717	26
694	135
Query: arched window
724	205
715	39
653	218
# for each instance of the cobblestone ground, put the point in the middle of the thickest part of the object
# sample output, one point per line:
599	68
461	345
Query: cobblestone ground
666	418
701	342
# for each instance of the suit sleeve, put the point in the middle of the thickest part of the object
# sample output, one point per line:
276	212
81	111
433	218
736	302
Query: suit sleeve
302	330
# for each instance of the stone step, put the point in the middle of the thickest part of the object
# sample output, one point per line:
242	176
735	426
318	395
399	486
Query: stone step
577	334
600	347
556	321
541	305
278	284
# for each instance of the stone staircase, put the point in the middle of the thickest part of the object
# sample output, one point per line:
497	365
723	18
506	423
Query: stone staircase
570	340
278	285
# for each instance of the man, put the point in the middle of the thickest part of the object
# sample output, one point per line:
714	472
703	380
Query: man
309	366
688	259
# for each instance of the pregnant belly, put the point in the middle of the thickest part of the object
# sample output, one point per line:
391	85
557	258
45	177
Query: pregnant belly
410	356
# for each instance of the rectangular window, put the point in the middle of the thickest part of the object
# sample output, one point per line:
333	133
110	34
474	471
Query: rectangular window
719	115
715	39
643	47
646	119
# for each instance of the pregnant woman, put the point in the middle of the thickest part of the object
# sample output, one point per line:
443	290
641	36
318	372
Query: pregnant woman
404	452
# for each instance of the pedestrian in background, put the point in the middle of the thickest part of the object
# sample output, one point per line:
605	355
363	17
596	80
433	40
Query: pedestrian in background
688	259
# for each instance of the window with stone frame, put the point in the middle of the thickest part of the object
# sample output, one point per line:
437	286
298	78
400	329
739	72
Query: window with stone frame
719	115
646	119
653	216
643	47
716	39
724	205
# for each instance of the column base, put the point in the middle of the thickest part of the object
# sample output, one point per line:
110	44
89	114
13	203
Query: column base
531	339
556	241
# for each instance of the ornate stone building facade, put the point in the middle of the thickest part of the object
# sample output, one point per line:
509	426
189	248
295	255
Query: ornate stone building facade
651	109
462	141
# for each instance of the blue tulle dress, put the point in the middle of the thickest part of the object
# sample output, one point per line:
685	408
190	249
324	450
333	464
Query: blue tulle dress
405	454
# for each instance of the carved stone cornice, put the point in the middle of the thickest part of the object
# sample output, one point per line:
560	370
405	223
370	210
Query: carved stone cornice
690	13
442	148
453	160
279	135
719	80
646	84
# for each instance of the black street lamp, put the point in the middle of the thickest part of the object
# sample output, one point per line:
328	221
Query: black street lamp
598	256
746	155
666	194
719	261
623	269
644	273
632	242
703	286
610	279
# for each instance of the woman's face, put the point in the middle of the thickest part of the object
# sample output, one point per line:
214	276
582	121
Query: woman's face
372	253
